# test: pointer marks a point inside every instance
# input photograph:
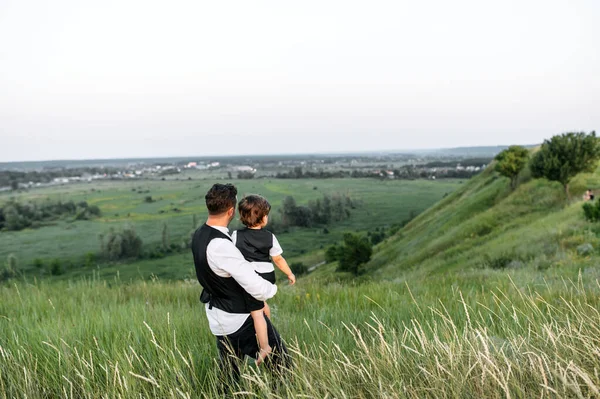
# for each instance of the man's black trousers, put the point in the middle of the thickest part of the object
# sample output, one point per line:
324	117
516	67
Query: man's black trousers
232	349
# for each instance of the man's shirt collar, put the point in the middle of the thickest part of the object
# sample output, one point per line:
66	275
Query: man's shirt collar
222	229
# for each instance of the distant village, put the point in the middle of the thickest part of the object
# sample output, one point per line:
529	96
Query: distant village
383	167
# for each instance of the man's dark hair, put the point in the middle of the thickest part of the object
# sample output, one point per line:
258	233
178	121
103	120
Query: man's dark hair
253	208
220	198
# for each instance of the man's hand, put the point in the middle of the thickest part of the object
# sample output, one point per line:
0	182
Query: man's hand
291	278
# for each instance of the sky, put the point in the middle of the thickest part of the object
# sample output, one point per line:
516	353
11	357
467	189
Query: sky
119	79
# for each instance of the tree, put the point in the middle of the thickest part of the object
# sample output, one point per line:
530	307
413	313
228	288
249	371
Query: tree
13	220
297	172
94	210
511	162
333	253
102	248
288	211
355	252
302	217
123	244
244	174
131	243
114	247
165	237
14	185
564	156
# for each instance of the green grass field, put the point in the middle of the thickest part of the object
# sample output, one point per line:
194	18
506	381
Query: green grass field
484	295
477	333
384	203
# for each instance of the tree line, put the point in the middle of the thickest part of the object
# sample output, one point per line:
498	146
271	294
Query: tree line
559	159
11	178
406	172
322	211
16	216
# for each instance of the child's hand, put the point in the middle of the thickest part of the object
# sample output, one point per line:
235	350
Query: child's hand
262	355
291	278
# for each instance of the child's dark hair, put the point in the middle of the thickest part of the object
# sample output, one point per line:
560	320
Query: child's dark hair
253	208
220	198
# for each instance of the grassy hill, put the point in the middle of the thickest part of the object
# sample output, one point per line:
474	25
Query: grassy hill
483	295
486	225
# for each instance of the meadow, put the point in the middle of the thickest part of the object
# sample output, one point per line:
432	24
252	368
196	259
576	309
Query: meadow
176	202
477	333
489	293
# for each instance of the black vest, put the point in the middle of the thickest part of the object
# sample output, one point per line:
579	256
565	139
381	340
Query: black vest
221	292
255	244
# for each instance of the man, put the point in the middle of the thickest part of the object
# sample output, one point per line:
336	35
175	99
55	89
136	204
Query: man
231	287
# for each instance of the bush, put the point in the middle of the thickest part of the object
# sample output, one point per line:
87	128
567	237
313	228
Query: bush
38	263
94	210
377	236
56	268
332	254
299	268
591	211
123	244
90	259
355	252
499	262
6	274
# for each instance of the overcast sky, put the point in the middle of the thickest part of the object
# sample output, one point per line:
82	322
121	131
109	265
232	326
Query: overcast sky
104	79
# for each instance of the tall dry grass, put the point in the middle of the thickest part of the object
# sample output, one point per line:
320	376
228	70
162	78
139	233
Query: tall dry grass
97	340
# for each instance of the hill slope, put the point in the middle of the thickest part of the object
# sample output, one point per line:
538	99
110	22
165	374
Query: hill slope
486	225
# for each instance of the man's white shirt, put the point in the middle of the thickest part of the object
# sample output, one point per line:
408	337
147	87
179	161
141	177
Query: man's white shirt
225	260
264	267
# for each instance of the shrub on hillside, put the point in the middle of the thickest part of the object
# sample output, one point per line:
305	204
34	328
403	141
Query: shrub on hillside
502	261
355	252
377	236
591	211
299	268
332	254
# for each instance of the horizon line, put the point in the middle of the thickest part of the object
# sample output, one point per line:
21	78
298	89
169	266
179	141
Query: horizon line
413	151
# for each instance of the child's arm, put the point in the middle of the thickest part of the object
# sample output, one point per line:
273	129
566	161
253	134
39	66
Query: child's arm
282	265
260	326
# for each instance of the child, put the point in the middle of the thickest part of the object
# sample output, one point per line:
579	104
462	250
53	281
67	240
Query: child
259	246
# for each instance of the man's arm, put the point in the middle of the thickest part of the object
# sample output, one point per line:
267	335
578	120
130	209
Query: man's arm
226	260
